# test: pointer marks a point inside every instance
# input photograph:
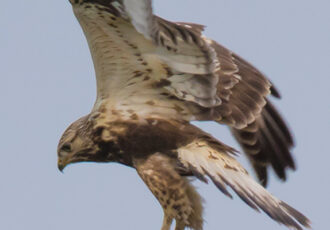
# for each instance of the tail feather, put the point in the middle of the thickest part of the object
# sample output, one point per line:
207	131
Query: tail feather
219	165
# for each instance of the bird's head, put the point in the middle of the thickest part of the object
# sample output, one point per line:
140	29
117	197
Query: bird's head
84	141
76	144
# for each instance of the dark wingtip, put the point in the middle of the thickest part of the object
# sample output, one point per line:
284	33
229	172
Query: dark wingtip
262	174
264	182
274	92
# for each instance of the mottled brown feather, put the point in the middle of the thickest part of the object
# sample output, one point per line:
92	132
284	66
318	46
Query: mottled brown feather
267	145
160	69
254	121
177	196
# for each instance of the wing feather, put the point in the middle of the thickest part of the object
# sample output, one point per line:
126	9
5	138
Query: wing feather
218	164
147	66
132	50
241	87
254	121
180	47
267	141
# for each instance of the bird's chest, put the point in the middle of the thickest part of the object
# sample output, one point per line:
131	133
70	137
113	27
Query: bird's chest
145	144
122	140
138	140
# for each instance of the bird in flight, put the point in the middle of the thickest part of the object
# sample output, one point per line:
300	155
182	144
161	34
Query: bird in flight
155	76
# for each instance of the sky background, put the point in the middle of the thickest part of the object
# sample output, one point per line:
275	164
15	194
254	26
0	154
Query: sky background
47	82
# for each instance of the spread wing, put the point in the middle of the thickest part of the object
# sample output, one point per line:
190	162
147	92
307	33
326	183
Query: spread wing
254	121
142	61
213	160
147	67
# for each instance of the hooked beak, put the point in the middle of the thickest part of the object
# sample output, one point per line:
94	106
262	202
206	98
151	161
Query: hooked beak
60	165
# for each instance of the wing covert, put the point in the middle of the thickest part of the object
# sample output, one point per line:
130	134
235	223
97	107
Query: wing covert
241	87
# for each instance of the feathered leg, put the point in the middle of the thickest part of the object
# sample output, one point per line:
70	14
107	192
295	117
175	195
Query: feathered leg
177	197
167	222
179	225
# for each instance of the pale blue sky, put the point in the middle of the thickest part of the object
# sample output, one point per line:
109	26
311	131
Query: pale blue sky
47	82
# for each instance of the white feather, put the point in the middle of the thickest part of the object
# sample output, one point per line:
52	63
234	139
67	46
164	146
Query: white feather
140	13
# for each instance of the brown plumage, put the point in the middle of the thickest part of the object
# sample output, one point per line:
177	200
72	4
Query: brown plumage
267	141
163	152
254	121
177	196
153	78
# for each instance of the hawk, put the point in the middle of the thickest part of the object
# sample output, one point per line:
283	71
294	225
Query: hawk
154	77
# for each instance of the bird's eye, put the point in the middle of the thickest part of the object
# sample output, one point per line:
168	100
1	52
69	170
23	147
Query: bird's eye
66	147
